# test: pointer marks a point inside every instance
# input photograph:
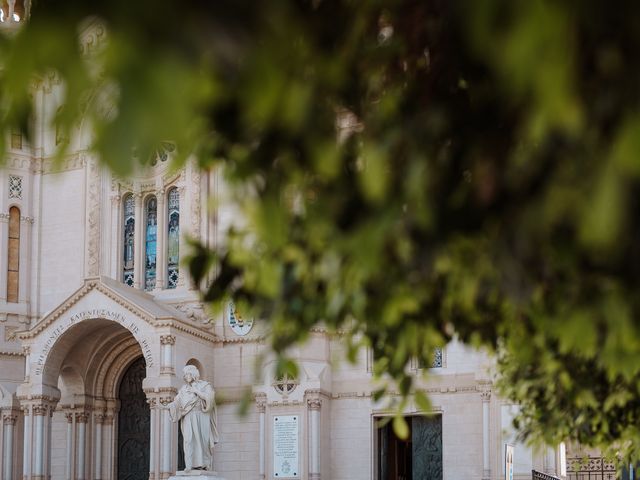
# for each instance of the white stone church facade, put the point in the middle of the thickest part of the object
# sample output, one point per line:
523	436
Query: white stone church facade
98	318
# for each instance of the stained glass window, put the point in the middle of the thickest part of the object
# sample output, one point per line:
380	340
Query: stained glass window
151	236
128	239
173	238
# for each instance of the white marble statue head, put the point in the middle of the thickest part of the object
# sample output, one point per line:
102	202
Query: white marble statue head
192	371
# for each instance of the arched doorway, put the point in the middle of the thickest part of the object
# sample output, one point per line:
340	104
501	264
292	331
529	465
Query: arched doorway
133	425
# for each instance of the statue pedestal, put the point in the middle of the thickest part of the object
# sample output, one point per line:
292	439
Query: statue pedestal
196	475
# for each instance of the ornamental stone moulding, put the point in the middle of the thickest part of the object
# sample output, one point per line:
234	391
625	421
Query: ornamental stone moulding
9	418
93	37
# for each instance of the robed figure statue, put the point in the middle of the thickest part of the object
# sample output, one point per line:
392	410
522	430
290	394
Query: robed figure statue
195	406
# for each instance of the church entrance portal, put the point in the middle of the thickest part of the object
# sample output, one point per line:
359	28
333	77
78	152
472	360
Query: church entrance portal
416	458
133	425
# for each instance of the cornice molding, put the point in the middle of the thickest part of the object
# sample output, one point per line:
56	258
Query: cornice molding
74	161
95	284
8	353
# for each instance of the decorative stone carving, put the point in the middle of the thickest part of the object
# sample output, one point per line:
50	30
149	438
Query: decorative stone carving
93	218
82	417
193	311
10	333
195	406
73	162
261	402
39	410
15	187
195	201
92	38
314	403
167	340
69	417
485	394
9	418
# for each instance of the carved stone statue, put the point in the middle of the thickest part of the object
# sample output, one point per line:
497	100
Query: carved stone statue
195	405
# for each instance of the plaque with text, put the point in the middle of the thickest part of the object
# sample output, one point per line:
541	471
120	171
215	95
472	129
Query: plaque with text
286	446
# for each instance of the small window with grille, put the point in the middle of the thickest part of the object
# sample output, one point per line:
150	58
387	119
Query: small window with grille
285	385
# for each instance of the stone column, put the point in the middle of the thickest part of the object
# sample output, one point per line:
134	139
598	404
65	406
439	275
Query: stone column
41	418
27	441
486	460
81	423
9	419
154	473
314	438
27	362
183	229
161	244
166	438
116	250
99	419
70	434
109	438
138	244
47	447
261	404
166	360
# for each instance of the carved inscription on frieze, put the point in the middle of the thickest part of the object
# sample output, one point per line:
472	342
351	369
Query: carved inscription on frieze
97	313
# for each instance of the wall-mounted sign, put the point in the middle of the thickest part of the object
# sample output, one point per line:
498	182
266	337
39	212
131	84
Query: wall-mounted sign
286	446
240	326
508	462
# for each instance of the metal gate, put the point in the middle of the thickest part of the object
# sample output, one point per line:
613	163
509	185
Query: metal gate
590	468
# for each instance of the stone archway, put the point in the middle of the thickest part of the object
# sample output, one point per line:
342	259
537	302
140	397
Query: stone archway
76	358
90	361
80	353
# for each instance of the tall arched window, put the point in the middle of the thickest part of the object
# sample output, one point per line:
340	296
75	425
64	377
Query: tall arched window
128	239
13	270
173	238
150	244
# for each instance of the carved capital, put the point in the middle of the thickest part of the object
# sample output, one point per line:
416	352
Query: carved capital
167	340
26	350
108	419
485	394
69	417
314	403
261	402
164	401
82	417
9	418
153	402
100	418
40	410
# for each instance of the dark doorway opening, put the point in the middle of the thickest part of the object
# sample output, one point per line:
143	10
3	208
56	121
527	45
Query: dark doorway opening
133	425
419	457
180	447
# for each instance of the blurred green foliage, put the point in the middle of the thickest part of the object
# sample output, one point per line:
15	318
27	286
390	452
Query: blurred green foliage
408	170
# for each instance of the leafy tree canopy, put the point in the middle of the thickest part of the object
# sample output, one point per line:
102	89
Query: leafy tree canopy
407	169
